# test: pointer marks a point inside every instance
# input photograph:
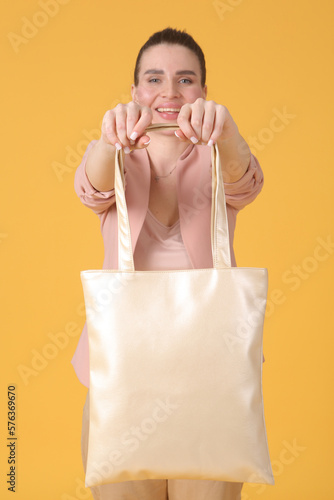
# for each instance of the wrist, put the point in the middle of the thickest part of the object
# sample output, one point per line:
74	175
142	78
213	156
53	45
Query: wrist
105	147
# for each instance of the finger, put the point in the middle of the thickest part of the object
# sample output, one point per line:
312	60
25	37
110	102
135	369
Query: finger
142	142
220	117
144	121
183	121
108	130
208	121
132	118
121	116
180	135
197	115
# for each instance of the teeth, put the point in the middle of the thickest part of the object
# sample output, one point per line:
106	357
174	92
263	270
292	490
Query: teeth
173	110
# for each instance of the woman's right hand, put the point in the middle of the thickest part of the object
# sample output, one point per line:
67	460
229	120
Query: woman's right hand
124	126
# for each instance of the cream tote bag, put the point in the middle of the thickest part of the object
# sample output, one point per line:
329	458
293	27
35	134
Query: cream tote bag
176	363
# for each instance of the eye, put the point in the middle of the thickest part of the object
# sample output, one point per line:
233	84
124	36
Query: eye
185	80
154	80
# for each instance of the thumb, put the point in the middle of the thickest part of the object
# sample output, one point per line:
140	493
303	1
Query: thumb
180	135
143	142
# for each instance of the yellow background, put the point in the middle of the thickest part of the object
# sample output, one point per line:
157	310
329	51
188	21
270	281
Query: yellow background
263	57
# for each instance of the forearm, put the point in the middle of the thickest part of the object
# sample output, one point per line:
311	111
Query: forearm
100	166
235	155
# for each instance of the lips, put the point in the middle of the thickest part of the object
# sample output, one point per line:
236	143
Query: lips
168	111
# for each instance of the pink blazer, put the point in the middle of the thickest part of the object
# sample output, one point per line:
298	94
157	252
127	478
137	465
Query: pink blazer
193	174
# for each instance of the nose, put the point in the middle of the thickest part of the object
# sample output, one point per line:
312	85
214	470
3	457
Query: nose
170	89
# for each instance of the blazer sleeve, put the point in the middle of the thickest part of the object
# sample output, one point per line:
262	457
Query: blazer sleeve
98	201
242	192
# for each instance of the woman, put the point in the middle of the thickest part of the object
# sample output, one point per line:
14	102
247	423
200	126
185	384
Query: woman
168	190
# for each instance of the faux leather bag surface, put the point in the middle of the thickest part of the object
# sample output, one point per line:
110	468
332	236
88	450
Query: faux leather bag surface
176	364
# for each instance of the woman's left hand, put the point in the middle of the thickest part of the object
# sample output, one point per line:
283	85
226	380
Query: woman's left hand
205	122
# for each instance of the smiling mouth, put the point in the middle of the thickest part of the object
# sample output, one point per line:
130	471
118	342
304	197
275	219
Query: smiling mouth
168	110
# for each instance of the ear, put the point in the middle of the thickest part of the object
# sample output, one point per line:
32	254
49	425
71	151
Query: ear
205	91
133	92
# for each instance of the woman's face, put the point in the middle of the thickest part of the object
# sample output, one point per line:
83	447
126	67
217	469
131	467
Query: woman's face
169	77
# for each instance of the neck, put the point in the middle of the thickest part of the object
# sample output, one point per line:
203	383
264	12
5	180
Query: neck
164	151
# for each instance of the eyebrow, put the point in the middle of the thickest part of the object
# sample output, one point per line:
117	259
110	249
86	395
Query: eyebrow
161	72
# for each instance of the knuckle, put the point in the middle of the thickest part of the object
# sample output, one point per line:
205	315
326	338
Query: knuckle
131	118
133	107
199	100
181	119
106	128
107	116
196	122
119	107
207	126
219	128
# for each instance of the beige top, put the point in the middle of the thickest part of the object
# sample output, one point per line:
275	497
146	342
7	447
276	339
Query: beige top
160	247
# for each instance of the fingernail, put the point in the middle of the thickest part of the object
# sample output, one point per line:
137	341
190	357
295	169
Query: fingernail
210	143
134	136
177	135
193	139
126	150
118	146
146	143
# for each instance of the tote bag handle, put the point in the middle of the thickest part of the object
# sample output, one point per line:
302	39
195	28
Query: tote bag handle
220	244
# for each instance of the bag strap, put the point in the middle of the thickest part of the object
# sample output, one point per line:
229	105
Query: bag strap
219	225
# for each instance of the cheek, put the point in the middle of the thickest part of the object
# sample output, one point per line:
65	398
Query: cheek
194	93
144	96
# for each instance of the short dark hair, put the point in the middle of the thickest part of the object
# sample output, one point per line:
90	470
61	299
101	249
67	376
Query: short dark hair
173	37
